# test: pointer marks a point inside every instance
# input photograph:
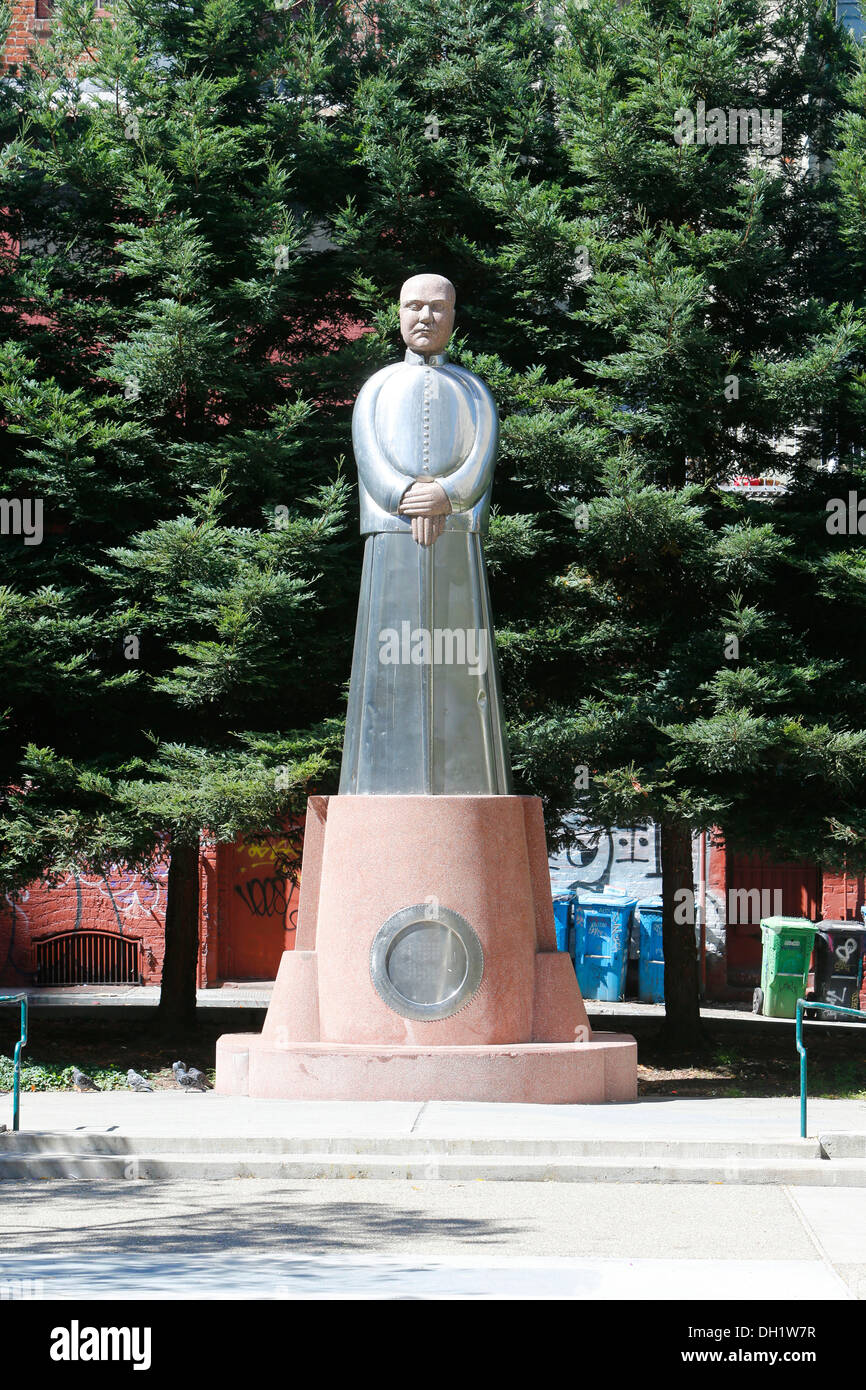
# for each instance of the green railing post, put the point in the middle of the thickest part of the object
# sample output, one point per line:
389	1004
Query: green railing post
803	1004
802	1051
16	1062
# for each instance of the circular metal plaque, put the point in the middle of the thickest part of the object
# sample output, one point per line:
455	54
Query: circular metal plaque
426	963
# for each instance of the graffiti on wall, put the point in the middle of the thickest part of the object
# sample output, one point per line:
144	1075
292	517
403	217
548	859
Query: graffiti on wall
132	894
119	900
628	858
19	924
270	871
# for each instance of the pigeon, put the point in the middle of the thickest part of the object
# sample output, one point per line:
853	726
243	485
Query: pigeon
184	1079
82	1082
136	1082
199	1077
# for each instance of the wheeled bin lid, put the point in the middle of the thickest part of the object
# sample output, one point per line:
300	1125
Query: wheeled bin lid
787	923
651	904
592	898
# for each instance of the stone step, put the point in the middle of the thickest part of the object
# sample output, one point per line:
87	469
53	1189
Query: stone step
844	1145
191	1167
104	1143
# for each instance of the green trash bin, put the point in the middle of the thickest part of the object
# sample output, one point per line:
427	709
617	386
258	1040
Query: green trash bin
787	949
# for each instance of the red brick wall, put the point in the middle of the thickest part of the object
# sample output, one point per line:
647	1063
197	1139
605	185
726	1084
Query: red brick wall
247	918
717	882
843	895
25	28
249	911
124	903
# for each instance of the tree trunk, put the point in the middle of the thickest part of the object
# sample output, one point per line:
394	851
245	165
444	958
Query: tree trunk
682	1026
177	995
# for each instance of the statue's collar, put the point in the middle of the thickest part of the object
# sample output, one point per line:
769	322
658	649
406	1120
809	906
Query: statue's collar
432	359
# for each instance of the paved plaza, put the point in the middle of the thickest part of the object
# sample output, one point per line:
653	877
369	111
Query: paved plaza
595	1237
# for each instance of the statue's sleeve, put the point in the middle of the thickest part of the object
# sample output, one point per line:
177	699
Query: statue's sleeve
468	483
382	480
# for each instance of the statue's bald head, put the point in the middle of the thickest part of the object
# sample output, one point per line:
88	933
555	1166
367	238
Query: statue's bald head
427	313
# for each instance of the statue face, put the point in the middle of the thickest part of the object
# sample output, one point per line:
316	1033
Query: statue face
427	313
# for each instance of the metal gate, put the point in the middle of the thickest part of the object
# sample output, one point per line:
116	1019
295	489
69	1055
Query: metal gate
88	958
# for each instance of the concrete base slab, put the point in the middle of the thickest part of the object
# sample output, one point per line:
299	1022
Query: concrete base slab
604	1069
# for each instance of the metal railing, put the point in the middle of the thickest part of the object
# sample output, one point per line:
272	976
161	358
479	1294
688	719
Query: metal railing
16	1064
803	1004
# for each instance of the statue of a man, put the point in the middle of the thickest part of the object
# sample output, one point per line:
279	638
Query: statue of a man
425	714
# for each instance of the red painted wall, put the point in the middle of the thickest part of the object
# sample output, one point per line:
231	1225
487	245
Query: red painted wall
248	917
839	896
258	887
26	27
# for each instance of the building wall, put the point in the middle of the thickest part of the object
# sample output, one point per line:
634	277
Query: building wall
257	895
25	28
842	896
123	903
31	20
247	916
630	858
249	900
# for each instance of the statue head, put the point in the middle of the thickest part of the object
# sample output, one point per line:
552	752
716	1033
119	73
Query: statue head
427	313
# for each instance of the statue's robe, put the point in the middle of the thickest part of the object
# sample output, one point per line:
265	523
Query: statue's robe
421	720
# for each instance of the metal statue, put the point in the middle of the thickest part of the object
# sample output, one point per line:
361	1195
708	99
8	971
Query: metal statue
425	714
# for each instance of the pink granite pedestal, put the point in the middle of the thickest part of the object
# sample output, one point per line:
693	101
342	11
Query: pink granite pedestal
523	1036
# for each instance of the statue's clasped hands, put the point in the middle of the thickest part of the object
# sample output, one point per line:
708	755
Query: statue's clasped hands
426	502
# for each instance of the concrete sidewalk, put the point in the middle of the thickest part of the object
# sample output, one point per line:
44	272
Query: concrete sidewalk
190	1114
267	1239
662	1199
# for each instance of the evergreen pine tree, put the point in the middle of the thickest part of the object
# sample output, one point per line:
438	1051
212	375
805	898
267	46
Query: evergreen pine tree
161	179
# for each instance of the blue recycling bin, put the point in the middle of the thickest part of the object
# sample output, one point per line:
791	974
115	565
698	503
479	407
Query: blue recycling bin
601	928
563	920
651	965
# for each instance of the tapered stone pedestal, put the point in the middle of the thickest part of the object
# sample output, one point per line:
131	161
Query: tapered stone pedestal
426	966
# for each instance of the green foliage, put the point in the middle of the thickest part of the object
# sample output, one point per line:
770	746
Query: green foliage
53	1077
215	207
